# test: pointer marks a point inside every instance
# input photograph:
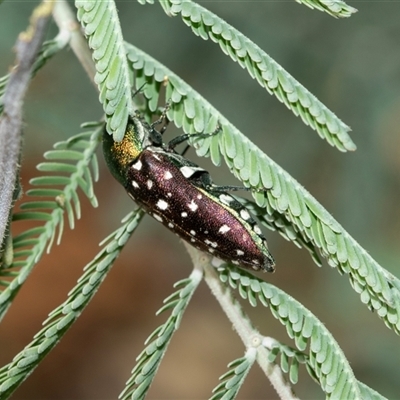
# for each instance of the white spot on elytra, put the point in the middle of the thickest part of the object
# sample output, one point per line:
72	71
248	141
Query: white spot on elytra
170	225
256	262
162	204
199	196
239	252
211	251
192	232
157	217
169	194
206	232
135	184
193	206
149	184
244	214
210	243
184	214
235	262
167	175
138	165
257	230
192	240
224	229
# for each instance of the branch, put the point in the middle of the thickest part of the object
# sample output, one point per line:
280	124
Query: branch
241	323
27	48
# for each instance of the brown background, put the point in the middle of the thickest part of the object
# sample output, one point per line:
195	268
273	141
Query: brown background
353	66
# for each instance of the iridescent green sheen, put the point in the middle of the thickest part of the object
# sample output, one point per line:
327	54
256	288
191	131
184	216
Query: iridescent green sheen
119	155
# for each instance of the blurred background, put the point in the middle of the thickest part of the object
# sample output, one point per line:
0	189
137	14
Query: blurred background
351	65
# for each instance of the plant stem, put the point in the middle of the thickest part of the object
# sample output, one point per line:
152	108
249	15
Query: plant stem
27	48
241	323
68	25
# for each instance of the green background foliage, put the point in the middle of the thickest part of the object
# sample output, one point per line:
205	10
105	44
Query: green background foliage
352	66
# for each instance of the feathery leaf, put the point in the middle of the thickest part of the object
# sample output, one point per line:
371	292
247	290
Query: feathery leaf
326	359
279	193
63	316
36	240
150	358
268	72
233	379
101	24
335	8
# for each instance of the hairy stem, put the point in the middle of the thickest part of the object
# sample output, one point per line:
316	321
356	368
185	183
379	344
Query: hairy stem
27	48
241	323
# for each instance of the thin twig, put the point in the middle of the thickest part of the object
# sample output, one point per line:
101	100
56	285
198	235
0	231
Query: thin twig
241	323
67	23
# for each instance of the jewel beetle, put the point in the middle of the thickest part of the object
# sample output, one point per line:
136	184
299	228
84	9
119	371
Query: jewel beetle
181	195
